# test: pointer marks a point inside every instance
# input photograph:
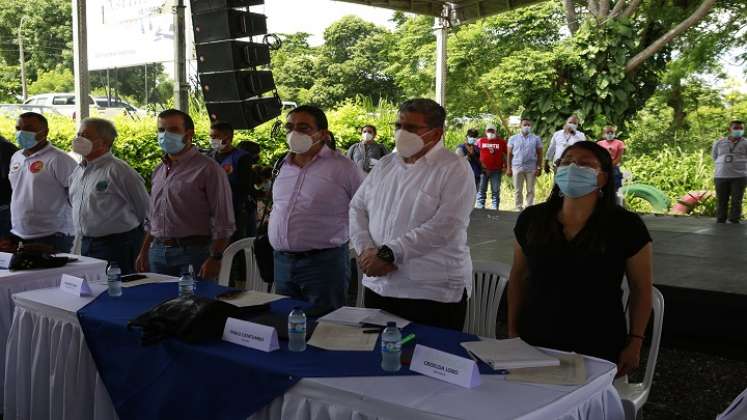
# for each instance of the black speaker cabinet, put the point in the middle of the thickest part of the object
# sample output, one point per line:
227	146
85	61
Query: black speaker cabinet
245	114
222	24
231	55
236	85
199	6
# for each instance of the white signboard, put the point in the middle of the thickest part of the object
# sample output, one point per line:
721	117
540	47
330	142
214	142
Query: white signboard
123	33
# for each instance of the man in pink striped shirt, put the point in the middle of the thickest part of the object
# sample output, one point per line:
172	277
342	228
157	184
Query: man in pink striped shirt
309	220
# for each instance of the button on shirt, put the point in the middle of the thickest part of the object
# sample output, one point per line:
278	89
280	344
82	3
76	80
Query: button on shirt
39	205
421	211
190	197
730	158
524	152
560	141
310	204
108	197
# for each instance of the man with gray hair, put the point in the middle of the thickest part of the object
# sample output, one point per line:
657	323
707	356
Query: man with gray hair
408	223
109	198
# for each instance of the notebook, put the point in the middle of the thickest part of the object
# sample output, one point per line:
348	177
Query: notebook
509	354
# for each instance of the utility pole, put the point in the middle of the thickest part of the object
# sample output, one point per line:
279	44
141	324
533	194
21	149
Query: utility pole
440	28
80	60
145	71
181	88
22	60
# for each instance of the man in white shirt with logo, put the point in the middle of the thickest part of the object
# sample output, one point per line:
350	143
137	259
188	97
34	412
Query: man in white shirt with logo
408	223
39	173
561	139
109	198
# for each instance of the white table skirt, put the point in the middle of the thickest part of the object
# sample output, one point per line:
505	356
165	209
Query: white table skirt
51	375
19	281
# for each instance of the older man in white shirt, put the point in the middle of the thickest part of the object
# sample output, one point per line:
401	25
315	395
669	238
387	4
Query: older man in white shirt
561	140
408	223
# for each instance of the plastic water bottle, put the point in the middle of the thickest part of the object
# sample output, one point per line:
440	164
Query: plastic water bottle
297	330
187	284
114	281
391	349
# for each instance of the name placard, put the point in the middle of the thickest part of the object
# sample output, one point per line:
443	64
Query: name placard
249	334
5	258
75	285
445	367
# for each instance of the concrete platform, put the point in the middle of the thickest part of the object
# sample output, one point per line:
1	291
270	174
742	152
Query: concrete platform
699	266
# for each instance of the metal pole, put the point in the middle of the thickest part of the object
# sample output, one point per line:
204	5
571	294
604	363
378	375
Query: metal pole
108	90
80	59
181	88
145	71
440	28
22	61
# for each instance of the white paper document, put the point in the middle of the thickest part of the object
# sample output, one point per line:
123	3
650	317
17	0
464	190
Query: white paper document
151	278
572	371
509	354
338	337
250	298
348	315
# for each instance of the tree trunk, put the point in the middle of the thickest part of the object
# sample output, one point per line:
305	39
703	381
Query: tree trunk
677	103
570	16
686	24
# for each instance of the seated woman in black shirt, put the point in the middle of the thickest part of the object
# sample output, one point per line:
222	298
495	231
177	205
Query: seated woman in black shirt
570	256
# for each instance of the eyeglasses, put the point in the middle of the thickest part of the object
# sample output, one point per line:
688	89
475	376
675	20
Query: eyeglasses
300	127
412	128
581	163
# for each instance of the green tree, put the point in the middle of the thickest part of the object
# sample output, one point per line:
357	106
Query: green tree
58	80
293	67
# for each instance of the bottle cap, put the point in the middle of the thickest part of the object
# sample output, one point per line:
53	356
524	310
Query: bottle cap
391	324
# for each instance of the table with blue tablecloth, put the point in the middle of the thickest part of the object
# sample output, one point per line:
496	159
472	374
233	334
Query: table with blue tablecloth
52	374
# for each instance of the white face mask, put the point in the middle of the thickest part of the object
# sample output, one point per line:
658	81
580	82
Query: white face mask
408	144
217	144
367	136
572	127
526	129
82	146
610	136
491	136
299	143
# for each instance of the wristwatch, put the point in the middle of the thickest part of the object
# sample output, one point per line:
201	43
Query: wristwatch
386	254
217	256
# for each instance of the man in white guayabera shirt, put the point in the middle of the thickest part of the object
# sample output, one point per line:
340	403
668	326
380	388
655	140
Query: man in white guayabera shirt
408	223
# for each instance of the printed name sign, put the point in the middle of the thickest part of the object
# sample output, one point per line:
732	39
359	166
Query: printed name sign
5	258
445	366
249	334
75	285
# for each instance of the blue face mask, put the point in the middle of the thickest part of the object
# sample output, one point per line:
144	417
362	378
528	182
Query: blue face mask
576	181
471	140
171	143
26	139
737	133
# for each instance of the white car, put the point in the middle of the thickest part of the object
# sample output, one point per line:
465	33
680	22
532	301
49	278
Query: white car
64	103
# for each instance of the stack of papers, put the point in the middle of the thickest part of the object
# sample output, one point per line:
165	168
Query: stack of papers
250	298
348	315
509	354
338	337
151	278
572	371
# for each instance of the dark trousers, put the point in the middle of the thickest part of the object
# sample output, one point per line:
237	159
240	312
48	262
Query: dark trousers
5	221
726	188
122	248
320	278
421	311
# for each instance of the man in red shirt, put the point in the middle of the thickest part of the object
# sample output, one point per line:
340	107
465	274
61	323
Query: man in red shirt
493	161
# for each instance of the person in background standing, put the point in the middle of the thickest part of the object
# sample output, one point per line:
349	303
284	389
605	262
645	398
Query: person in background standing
191	211
616	147
39	176
730	156
367	152
561	139
469	151
109	198
525	160
308	226
7	149
493	151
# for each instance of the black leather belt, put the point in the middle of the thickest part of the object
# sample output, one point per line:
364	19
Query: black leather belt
181	242
305	254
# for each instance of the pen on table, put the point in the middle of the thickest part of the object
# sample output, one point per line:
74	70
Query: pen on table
407	339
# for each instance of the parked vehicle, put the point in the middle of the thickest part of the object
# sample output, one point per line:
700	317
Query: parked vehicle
64	103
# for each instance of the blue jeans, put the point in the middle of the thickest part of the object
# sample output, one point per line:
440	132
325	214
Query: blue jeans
495	188
121	248
321	278
175	260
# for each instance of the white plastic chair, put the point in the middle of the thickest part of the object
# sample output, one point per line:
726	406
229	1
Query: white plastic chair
253	280
359	280
635	395
737	410
489	280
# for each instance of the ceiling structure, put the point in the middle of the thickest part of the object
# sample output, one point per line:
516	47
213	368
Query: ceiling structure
458	11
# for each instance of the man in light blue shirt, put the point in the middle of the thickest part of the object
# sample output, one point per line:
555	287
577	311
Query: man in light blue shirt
525	157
